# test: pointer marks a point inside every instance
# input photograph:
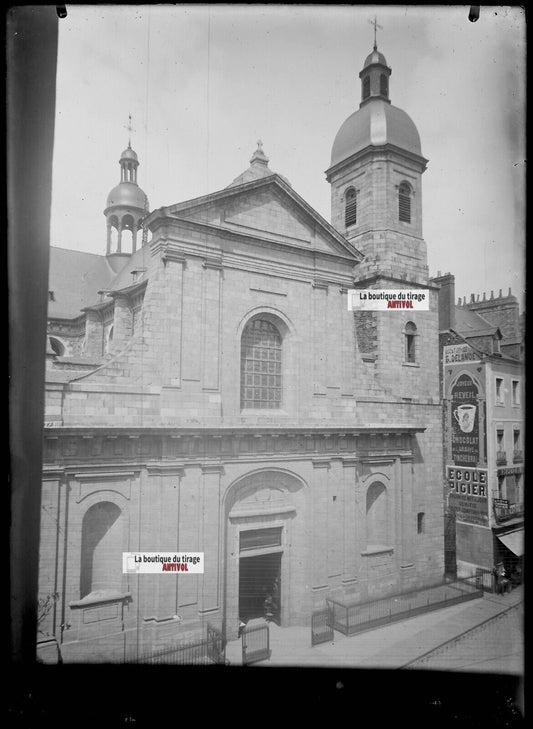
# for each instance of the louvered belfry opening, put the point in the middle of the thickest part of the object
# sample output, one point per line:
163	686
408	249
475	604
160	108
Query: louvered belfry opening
404	203
350	214
261	365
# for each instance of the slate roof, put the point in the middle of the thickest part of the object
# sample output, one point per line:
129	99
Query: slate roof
75	277
470	323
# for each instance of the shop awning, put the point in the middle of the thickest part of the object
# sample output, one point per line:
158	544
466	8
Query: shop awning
514	541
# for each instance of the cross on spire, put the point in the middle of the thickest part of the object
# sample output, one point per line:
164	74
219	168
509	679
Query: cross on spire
376	26
130	130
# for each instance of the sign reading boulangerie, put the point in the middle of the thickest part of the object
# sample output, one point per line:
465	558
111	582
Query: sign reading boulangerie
465	422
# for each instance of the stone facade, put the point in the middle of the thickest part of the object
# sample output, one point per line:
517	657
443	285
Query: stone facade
151	449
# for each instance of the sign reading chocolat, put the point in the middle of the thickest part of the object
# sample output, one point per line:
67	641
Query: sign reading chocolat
465	422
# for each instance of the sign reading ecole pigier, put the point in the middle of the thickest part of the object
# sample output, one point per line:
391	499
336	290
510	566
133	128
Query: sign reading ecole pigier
162	562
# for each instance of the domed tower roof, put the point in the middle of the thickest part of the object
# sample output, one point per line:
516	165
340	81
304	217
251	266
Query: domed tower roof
127	206
375	57
373	125
377	122
127	193
129	154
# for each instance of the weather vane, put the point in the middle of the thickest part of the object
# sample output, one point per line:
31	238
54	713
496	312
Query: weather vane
376	26
130	130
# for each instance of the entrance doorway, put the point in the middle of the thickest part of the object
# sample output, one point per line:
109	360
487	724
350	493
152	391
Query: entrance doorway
259	578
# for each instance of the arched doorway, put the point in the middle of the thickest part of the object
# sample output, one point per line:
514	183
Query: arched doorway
266	549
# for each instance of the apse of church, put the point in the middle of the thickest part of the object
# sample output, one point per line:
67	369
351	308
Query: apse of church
221	398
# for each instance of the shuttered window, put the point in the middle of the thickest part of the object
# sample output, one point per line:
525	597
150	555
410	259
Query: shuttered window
366	87
350	213
383	85
260	365
404	203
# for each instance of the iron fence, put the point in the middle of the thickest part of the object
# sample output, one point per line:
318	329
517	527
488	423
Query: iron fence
255	644
352	618
210	649
322	626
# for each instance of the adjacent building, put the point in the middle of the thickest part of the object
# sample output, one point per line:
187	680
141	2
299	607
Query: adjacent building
481	345
208	390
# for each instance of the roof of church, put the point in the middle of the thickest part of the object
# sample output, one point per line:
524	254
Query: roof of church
137	262
374	124
257	170
75	277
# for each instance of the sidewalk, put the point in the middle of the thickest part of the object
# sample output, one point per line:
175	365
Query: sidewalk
394	645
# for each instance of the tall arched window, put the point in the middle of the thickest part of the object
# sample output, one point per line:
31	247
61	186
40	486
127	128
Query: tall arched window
410	341
101	548
404	203
350	211
376	515
261	365
383	85
366	87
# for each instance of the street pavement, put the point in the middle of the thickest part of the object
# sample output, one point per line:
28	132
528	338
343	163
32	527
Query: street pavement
496	647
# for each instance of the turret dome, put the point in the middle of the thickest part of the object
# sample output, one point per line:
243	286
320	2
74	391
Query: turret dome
374	124
126	194
375	57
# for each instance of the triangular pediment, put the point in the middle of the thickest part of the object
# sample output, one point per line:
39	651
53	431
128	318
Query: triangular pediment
270	210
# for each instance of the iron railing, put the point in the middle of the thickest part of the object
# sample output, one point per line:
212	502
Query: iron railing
210	649
503	513
255	644
351	618
518	456
322	626
501	458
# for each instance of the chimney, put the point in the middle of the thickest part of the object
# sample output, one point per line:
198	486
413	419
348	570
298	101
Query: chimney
446	284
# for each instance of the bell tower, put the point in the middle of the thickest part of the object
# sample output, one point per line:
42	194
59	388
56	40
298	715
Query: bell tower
126	206
375	176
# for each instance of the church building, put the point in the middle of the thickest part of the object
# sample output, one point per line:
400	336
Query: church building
209	390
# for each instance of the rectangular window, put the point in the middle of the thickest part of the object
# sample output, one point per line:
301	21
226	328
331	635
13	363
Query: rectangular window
516	392
420	522
260	538
499	391
516	439
499	439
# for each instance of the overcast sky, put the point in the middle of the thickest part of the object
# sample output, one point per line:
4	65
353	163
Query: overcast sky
204	82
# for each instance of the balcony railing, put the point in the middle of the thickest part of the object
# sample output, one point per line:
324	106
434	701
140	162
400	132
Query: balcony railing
503	513
501	458
518	456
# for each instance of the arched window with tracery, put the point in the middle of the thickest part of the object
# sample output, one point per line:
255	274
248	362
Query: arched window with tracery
261	361
404	203
350	210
